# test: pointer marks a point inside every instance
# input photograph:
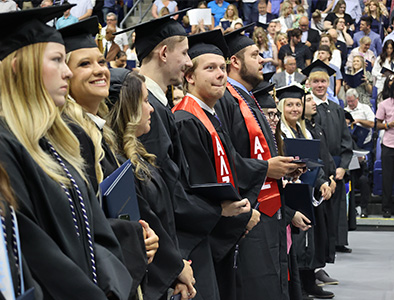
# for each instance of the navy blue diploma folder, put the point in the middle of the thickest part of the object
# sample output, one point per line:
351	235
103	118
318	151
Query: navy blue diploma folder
354	80
298	196
217	191
28	295
307	150
119	195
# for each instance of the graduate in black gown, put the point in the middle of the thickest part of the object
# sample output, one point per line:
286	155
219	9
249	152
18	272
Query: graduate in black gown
88	89
331	117
19	280
210	154
65	238
161	46
308	245
263	268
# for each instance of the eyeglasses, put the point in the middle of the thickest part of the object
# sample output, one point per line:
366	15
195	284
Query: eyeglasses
111	20
272	115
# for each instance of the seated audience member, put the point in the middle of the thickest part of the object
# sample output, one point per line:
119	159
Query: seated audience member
170	5
364	90
280	40
111	49
120	39
268	51
317	21
324	54
201	27
272	30
289	75
384	60
364	51
263	16
218	8
7	6
310	37
384	118
287	17
177	94
164	11
341	46
66	19
365	31
231	15
380	22
343	36
120	61
297	49
387	91
339	11
336	58
82	10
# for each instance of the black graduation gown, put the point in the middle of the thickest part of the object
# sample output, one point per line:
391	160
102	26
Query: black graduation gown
263	261
58	259
29	282
200	158
163	141
331	118
155	208
324	213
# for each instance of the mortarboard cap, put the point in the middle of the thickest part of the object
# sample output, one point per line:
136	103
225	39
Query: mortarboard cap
236	41
27	27
80	35
386	72
149	34
207	42
294	90
318	65
262	25
261	93
268	76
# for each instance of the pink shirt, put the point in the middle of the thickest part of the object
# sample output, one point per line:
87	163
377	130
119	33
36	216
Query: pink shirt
386	112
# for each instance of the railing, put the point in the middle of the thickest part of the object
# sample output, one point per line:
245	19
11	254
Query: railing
142	15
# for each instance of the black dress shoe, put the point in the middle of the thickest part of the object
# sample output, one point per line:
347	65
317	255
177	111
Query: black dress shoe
386	214
318	292
324	278
343	249
364	213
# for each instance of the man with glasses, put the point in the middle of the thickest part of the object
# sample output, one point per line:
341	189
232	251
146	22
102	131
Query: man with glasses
289	75
310	37
120	39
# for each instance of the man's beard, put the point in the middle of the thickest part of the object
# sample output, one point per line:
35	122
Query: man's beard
252	79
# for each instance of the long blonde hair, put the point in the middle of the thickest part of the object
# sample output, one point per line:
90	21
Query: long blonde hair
235	13
31	113
301	122
124	118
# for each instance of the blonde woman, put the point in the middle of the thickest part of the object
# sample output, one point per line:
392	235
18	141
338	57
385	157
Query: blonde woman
65	238
268	51
380	22
231	15
286	17
280	40
86	109
362	50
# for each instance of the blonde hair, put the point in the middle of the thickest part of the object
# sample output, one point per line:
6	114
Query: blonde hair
235	15
378	10
31	113
365	40
362	64
256	33
301	122
318	75
285	6
125	118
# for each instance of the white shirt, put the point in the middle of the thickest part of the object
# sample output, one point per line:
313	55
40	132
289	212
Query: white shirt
318	100
97	120
156	90
304	36
7	6
82	6
292	76
202	104
362	112
263	19
120	39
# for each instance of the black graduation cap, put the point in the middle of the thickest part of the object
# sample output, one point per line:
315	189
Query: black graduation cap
386	72
318	65
349	116
207	42
27	27
149	34
262	25
236	41
291	91
268	76
80	35
261	93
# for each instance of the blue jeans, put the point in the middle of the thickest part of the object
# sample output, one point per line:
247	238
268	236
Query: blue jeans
248	10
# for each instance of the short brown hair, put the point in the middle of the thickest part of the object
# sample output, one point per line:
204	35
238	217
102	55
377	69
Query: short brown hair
188	72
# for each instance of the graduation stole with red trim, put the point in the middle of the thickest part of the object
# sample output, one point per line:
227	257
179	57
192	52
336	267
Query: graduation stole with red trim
222	166
269	197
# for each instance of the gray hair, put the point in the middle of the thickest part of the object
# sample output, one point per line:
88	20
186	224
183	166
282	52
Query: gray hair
111	14
351	92
286	59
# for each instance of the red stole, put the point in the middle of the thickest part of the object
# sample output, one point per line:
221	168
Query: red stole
223	171
269	197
